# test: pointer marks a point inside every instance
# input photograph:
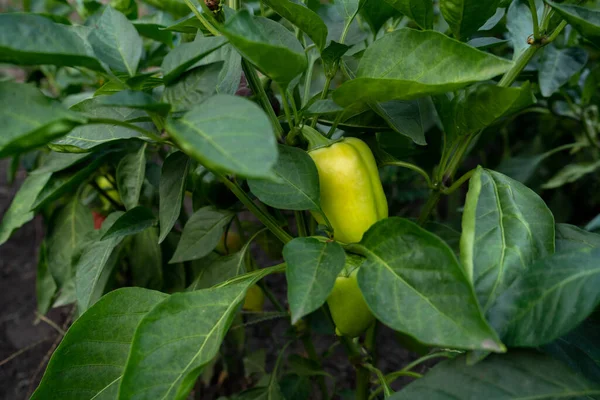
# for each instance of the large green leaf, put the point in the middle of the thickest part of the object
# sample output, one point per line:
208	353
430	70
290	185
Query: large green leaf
407	64
201	234
518	375
465	17
116	41
186	55
404	117
312	268
135	100
84	138
298	186
420	11
376	13
67	232
171	191
27	39
413	283
580	349
506	228
98	258
268	45
90	360
549	299
136	220
193	87
570	237
304	18
19	212
180	335
131	172
227	133
557	66
29	119
585	19
215	269
146	260
480	105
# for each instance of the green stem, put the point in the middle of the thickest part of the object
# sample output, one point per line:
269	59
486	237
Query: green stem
324	93
265	218
387	391
431	204
203	20
362	383
411	167
286	109
459	182
536	26
556	32
546	16
512	75
314	138
312	354
259	90
335	124
308	79
391	377
301	223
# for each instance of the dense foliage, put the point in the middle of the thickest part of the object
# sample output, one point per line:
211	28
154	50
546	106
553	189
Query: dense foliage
150	128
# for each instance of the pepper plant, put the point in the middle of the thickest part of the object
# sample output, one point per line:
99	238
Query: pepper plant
395	164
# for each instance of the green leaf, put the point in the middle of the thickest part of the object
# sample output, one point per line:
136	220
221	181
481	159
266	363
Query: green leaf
298	185
67	181
420	11
517	375
90	360
27	39
465	17
268	45
404	117
312	268
216	269
136	101
30	119
68	230
19	212
485	43
413	283
304	18
227	133
407	64
558	66
481	105
331	56
579	349
154	31
184	56
116	41
84	138
134	221
549	299
193	87
171	191
45	287
519	22
131	172
146	260
506	228
93	268
347	8
180	335
376	13
201	234
55	162
176	7
571	173
585	19
569	237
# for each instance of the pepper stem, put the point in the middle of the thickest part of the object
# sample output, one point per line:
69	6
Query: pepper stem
314	138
